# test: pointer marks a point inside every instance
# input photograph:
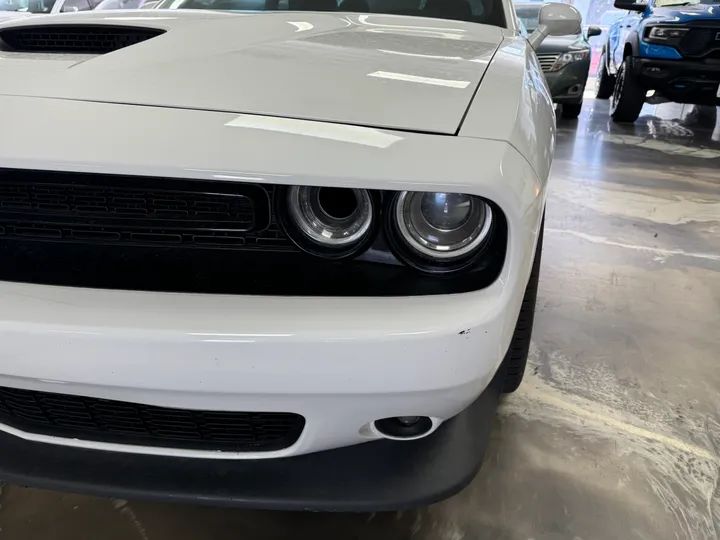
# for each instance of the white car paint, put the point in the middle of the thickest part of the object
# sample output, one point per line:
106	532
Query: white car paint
393	85
340	362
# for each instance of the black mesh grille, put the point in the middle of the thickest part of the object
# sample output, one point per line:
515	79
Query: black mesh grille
75	38
699	41
133	211
103	420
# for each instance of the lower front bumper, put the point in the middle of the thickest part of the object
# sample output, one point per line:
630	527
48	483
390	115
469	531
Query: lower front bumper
682	81
376	476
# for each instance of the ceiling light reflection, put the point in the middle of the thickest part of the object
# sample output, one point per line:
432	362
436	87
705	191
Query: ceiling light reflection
321	130
301	26
416	79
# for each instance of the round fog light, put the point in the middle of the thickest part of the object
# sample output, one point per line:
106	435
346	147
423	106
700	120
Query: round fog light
404	427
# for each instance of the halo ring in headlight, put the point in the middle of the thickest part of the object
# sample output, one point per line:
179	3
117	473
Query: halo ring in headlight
330	222
442	226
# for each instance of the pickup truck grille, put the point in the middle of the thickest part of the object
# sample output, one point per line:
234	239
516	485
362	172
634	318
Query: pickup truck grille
700	41
547	61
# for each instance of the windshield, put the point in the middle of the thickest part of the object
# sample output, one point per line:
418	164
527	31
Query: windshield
666	3
481	11
27	6
528	15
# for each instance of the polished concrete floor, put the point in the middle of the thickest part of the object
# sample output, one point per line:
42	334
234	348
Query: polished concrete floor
615	433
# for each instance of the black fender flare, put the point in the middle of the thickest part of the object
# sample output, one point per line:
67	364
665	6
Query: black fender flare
634	41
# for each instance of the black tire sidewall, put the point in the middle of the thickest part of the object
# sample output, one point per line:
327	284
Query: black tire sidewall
512	370
605	81
628	95
571	111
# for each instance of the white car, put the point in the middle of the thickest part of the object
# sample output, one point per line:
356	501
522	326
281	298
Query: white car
238	245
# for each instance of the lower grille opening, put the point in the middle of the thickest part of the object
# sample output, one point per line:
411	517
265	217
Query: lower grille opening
103	420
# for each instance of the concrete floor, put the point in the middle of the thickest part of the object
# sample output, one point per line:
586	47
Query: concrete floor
616	430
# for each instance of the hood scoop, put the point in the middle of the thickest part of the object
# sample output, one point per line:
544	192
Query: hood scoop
65	38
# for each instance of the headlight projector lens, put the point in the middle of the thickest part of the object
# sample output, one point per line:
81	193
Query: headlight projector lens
442	226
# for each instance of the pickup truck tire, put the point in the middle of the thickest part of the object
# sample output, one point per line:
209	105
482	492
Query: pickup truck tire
628	95
570	111
605	82
516	358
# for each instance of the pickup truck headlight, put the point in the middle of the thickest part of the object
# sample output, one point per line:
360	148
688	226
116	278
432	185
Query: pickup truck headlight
569	58
665	35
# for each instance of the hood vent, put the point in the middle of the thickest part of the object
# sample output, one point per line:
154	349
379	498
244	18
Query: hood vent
96	39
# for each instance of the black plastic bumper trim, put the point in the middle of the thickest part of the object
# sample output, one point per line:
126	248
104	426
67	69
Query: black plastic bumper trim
376	476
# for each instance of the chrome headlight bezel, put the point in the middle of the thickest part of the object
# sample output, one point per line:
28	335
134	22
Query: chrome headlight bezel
409	247
311	229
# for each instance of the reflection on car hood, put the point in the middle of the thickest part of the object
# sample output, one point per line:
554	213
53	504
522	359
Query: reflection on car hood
375	70
561	44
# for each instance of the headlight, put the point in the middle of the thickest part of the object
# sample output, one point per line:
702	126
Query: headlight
331	222
665	35
569	58
441	227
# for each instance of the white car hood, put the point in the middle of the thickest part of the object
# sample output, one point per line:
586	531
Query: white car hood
394	72
14	15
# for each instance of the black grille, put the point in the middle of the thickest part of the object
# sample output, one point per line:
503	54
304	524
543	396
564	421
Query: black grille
96	39
699	41
103	420
132	211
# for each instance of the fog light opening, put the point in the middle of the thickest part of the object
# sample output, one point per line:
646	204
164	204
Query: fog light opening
404	427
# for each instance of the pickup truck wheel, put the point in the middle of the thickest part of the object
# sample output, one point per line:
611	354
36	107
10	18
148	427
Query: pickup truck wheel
628	95
516	358
570	111
605	82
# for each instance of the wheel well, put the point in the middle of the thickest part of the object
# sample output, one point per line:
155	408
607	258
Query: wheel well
628	51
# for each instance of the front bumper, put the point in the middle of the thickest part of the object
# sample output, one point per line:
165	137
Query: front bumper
341	363
682	81
378	476
568	84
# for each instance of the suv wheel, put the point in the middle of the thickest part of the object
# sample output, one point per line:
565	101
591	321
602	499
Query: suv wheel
628	95
605	82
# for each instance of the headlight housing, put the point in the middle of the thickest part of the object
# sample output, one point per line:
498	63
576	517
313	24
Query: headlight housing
569	58
329	222
665	35
439	231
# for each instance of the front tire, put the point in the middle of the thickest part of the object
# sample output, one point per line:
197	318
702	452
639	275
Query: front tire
516	358
570	111
605	82
628	95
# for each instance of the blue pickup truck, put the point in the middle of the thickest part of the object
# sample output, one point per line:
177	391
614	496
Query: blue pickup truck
669	46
